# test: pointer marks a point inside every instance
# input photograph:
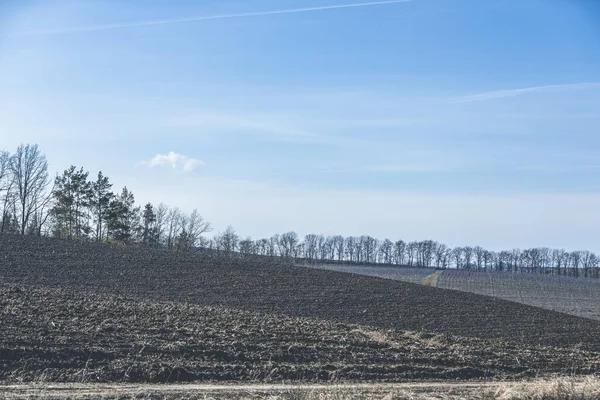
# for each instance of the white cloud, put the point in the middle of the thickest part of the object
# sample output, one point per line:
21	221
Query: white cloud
175	161
499	94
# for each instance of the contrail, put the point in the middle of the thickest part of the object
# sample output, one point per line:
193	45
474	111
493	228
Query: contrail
499	94
205	18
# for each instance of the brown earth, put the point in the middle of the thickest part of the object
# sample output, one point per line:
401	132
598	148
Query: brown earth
84	312
265	285
58	335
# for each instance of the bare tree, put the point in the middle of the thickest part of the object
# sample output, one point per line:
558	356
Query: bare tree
247	246
339	246
29	170
230	239
479	257
196	227
386	251
289	242
6	195
589	261
350	248
173	226
441	255
310	246
4	171
467	257
161	222
400	252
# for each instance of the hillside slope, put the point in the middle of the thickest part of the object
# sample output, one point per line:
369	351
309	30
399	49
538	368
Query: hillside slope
579	297
261	285
66	335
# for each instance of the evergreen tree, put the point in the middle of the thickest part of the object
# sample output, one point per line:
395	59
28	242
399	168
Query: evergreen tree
100	204
149	231
123	218
72	195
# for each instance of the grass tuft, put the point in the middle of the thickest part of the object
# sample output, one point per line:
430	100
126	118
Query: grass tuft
552	389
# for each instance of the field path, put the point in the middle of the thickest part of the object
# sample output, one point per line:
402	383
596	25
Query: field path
431	280
76	390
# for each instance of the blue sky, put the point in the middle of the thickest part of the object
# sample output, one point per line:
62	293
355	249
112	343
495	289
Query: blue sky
464	121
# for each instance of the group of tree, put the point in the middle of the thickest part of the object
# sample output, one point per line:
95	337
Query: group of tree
366	250
74	207
24	195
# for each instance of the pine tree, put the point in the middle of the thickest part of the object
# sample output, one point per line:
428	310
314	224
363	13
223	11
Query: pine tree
149	226
100	204
123	220
72	195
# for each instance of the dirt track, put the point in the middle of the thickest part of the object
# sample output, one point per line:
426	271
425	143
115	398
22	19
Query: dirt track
124	390
413	391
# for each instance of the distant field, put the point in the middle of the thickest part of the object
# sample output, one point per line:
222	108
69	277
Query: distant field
580	297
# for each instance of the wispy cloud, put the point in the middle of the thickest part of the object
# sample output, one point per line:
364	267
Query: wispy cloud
406	168
175	161
499	94
392	169
226	122
205	18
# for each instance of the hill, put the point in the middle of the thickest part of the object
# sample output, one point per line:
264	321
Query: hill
84	312
65	335
580	297
263	285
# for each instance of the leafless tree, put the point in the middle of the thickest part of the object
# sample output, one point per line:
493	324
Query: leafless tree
288	242
230	239
575	260
173	225
479	257
161	221
262	247
468	257
589	261
400	252
440	254
310	246
339	247
29	170
246	246
6	183
350	248
196	227
386	251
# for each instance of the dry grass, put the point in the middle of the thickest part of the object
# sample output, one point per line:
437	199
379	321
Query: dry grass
549	389
552	389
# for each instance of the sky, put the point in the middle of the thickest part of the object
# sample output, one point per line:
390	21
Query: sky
464	121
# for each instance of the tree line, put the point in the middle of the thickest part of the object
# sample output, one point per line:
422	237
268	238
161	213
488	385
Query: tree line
366	250
73	206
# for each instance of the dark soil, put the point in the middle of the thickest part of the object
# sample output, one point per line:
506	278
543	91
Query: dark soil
265	285
60	321
58	335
